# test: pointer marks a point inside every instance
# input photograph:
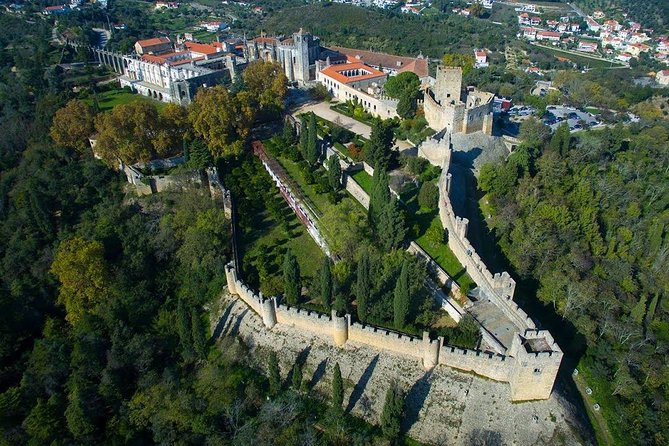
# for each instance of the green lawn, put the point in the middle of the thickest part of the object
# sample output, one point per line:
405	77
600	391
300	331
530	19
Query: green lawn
110	99
420	221
268	232
578	59
443	255
364	180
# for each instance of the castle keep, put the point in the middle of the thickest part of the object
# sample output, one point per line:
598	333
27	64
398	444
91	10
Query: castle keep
448	108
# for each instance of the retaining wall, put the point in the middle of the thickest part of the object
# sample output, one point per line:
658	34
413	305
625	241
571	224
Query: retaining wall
353	188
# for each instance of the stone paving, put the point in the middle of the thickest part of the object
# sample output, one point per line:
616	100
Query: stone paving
444	406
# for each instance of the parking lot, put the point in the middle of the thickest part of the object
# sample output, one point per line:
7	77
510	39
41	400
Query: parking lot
577	120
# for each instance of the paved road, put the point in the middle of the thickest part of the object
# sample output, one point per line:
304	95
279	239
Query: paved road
323	110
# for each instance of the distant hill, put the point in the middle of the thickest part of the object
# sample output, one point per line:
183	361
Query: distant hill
389	31
650	13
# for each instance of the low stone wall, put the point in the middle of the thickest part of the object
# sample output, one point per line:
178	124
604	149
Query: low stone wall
431	352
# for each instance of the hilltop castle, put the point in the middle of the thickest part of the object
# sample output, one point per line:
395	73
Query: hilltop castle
448	107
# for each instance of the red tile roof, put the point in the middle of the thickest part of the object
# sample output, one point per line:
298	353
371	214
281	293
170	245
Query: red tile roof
202	48
389	61
154	41
335	72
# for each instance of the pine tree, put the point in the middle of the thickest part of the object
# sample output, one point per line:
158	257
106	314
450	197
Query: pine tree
379	197
292	281
337	389
393	409
312	141
334	173
401	297
363	286
561	140
198	334
325	288
273	374
297	377
391	228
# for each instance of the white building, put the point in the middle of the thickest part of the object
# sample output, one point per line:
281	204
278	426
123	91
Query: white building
662	77
359	83
481	58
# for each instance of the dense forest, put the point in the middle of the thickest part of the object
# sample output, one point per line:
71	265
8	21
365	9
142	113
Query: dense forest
106	299
586	218
379	29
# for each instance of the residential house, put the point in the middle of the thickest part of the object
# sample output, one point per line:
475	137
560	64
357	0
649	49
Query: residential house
550	36
592	24
524	19
58	9
587	47
481	59
624	57
662	77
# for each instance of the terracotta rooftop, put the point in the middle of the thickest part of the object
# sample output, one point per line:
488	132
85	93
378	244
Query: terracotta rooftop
399	63
336	72
154	41
263	39
202	48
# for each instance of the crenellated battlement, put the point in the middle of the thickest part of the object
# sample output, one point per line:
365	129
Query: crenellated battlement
534	357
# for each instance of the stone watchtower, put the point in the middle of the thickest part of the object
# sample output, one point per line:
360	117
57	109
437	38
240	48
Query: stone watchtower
448	86
537	361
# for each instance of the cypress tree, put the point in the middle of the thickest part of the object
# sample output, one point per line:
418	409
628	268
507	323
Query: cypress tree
304	136
337	389
401	297
334	173
297	377
273	374
292	281
378	198
393	409
377	150
288	132
363	286
391	227
312	141
325	291
198	333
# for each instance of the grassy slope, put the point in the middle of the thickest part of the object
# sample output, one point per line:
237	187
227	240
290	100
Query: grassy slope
110	99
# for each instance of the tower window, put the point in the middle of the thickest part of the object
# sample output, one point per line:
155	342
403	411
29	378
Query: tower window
537	371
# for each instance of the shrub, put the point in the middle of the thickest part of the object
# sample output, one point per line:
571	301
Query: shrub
428	197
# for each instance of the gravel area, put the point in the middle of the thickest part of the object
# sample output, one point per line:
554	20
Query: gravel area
444	406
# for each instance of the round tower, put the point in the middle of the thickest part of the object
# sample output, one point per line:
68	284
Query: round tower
340	328
430	351
269	312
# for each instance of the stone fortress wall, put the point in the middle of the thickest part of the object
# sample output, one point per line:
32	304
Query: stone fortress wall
519	370
499	287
